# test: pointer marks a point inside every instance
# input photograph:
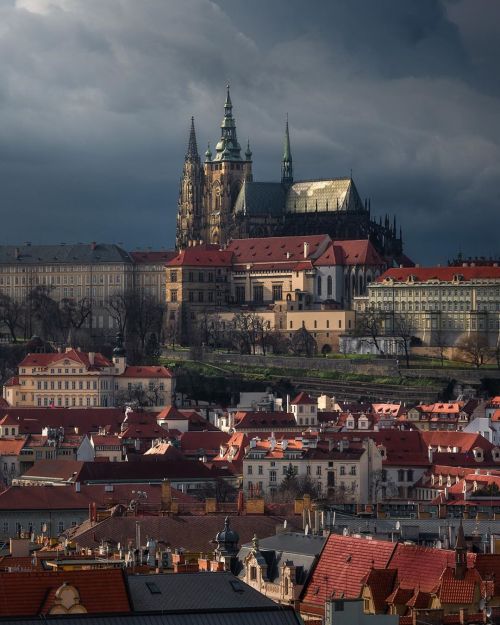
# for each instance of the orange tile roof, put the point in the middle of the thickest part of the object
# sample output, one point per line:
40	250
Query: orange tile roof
11	447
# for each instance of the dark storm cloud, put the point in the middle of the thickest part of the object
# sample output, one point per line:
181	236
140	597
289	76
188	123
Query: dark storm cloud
96	96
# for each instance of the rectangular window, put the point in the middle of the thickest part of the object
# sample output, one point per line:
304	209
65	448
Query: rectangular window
258	293
239	294
173	296
277	292
272	476
200	296
173	276
260	470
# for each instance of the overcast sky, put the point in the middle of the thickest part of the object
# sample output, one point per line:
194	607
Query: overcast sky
96	98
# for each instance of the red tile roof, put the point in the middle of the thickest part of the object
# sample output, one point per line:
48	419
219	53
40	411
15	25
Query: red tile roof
303	398
420	567
359	252
380	582
259	419
208	441
25	594
343	565
33	420
45	360
171	413
464	441
277	249
458	591
202	256
444	274
147	372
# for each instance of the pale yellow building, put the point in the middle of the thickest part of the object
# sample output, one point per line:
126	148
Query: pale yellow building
84	379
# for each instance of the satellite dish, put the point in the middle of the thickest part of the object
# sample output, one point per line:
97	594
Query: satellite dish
345	532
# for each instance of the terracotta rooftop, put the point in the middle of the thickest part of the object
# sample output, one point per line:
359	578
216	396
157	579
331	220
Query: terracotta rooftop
147	372
77	356
101	591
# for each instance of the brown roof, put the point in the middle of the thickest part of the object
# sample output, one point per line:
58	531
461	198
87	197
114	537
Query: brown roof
194	533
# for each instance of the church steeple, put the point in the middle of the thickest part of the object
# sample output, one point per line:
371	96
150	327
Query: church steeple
192	149
460	553
228	148
189	213
287	164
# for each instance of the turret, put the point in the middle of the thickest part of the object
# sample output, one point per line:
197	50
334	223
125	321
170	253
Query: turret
228	148
119	354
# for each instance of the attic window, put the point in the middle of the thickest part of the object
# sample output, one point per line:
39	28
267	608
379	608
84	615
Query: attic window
153	588
236	586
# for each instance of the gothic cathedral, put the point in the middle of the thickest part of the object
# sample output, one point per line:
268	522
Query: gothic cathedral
220	201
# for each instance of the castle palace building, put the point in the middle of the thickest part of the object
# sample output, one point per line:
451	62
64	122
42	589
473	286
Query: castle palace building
219	201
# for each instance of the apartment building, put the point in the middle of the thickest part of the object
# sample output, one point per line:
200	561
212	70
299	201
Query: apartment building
342	471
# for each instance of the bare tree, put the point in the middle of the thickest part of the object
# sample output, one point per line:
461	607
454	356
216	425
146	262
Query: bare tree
474	349
43	311
441	342
145	315
11	314
250	330
303	343
369	327
404	331
74	313
120	307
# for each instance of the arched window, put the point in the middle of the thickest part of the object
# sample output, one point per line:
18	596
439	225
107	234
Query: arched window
329	285
319	285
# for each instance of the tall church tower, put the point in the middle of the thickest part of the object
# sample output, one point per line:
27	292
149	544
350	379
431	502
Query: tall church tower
286	163
190	204
224	177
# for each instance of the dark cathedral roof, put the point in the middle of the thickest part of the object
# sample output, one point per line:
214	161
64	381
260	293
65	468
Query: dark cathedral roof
261	198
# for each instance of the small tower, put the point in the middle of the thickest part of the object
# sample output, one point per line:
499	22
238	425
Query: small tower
286	164
460	553
190	205
227	545
119	355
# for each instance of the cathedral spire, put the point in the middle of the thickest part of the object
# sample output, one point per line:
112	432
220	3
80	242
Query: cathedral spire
192	149
287	164
228	148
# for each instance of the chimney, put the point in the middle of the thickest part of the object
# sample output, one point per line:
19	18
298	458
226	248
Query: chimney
78	487
91	358
306	249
